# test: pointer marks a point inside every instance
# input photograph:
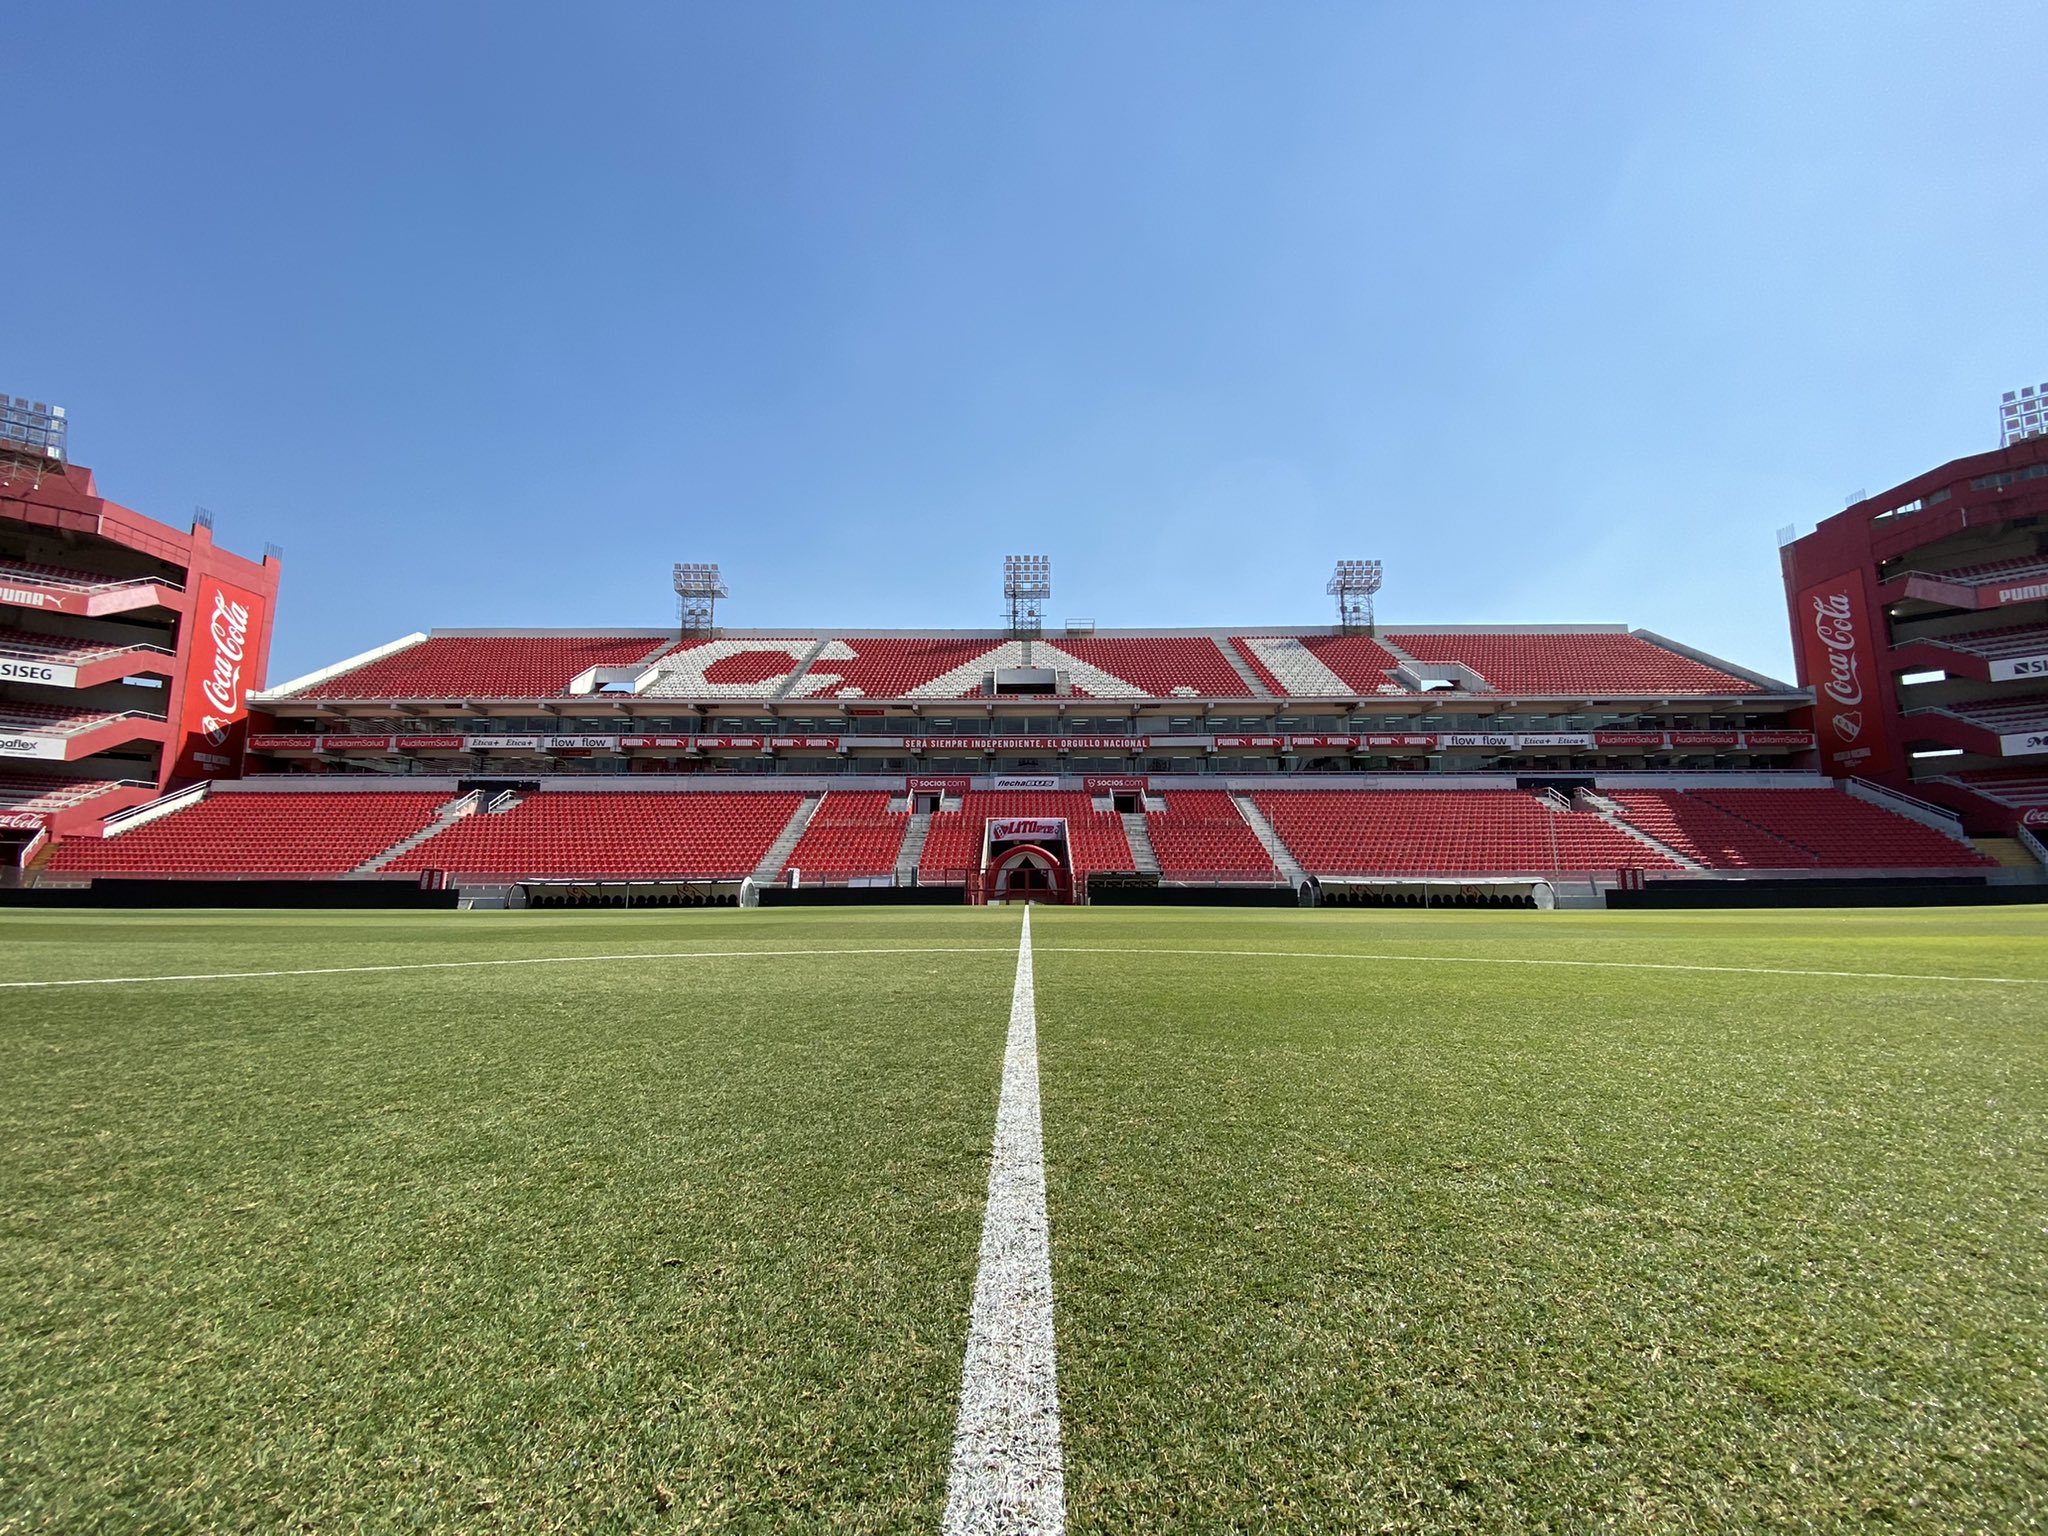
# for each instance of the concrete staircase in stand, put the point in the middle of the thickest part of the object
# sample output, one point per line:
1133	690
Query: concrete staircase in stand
786	840
1238	665
913	848
1262	829
446	817
1139	836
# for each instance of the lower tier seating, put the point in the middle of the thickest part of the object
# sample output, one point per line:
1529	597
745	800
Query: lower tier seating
1095	839
43	792
1428	832
1201	832
851	833
1842	832
1704	832
265	836
611	835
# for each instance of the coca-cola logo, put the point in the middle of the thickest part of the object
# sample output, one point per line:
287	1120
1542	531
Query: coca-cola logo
1834	625
222	687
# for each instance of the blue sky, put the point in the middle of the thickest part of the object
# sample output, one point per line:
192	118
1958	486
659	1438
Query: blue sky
487	314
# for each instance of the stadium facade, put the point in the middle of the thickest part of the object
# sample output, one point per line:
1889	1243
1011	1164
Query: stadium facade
1920	622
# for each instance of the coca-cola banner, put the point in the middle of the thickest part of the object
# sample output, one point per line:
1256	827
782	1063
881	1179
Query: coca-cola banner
1839	649
226	627
2038	817
20	821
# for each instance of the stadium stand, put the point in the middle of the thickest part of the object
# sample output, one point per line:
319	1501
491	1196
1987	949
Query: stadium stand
40	792
1997	644
59	719
1163	667
20	645
1468	832
79	581
1320	666
610	835
1842	832
879	668
1703	831
1096	839
851	833
1572	663
1995	572
2026	788
2005	716
1202	832
271	836
483	667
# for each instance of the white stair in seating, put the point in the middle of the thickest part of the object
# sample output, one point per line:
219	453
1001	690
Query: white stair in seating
1143	859
1252	682
1262	829
1609	812
452	812
803	665
786	840
913	847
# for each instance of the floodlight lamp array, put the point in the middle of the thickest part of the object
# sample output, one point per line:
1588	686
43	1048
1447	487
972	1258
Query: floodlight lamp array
1027	576
1354	576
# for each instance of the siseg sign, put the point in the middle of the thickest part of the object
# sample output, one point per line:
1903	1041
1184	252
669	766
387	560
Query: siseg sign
1838	649
49	674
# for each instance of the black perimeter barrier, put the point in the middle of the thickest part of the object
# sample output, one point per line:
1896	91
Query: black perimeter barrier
330	894
1898	891
860	896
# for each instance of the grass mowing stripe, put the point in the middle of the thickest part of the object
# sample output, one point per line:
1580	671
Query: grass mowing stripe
1007	1474
459	965
1606	965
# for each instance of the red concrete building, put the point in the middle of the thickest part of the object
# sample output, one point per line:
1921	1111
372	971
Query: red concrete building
1920	620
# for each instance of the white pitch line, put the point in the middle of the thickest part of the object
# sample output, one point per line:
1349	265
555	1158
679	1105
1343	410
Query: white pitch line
1611	965
1007	1473
458	965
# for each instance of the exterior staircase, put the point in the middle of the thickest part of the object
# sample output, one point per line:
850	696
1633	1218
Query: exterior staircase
785	842
1262	829
1257	689
446	817
1139	836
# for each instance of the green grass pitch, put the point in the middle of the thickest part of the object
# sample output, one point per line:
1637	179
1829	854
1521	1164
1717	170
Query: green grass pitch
1360	1221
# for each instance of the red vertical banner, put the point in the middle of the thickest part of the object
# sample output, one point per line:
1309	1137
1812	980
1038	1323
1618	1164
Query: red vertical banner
227	630
1839	647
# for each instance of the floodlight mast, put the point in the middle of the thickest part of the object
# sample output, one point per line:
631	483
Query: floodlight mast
2023	413
1353	584
1027	587
33	440
698	589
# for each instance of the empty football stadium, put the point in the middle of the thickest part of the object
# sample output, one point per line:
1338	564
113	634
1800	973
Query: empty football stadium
1325	1076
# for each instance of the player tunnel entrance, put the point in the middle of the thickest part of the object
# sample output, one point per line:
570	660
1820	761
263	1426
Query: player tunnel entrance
1026	859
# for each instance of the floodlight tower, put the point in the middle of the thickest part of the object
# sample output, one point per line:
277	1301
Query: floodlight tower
1353	583
1027	586
698	589
2023	413
32	440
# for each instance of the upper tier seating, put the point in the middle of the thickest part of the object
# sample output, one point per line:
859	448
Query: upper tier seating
1095	839
1202	832
43	792
2026	787
1842	832
1995	573
1574	664
59	650
879	668
1320	666
259	835
1706	833
727	669
1444	831
77	581
57	719
1996	644
611	835
484	667
851	833
1168	667
2007	717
